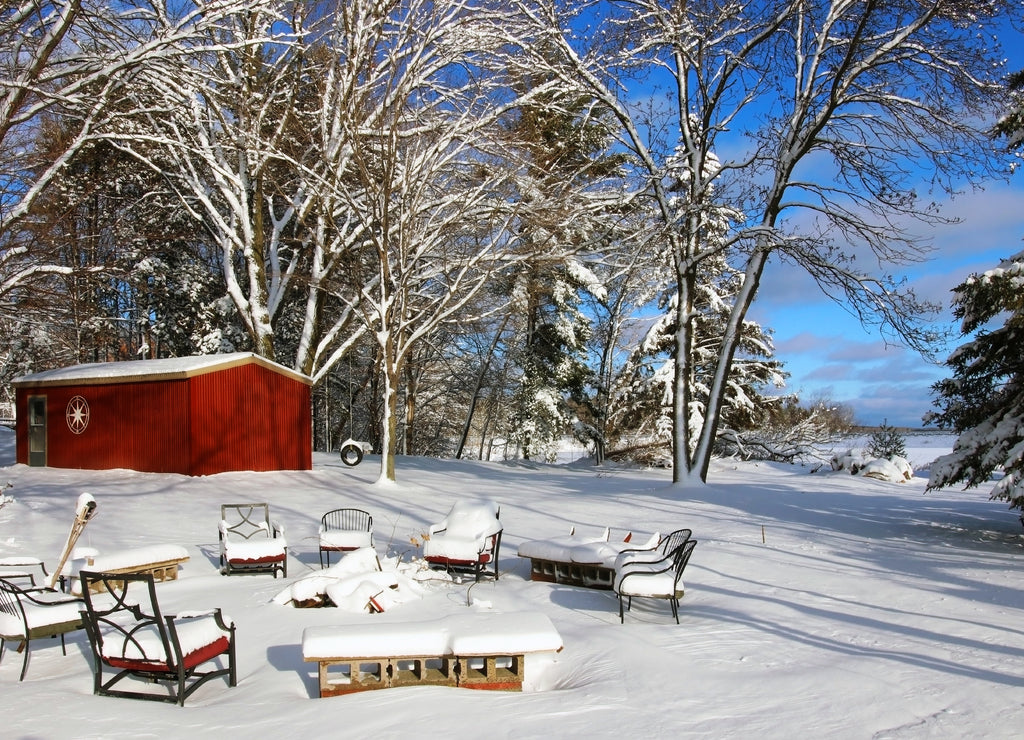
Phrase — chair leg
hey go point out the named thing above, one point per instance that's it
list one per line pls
(622, 617)
(232, 672)
(24, 662)
(180, 700)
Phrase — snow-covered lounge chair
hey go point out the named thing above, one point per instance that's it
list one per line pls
(250, 542)
(581, 559)
(477, 650)
(344, 530)
(653, 578)
(28, 614)
(469, 538)
(130, 637)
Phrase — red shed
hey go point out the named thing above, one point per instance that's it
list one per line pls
(190, 415)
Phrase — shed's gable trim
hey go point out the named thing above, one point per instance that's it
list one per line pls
(147, 371)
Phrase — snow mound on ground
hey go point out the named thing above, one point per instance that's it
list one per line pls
(895, 469)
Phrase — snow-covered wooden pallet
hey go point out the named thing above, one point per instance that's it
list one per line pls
(478, 650)
(579, 559)
(572, 574)
(160, 560)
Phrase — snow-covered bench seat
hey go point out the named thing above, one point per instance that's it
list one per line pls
(161, 561)
(581, 559)
(476, 650)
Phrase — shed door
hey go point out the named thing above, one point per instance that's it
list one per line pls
(37, 431)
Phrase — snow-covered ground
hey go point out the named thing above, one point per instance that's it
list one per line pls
(817, 605)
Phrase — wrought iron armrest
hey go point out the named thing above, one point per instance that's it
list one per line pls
(61, 598)
(669, 561)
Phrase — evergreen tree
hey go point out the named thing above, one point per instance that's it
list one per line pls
(642, 402)
(887, 442)
(984, 400)
(563, 145)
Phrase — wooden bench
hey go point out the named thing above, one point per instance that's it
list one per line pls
(477, 651)
(161, 561)
(579, 559)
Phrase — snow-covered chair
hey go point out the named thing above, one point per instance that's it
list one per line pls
(28, 614)
(130, 637)
(21, 567)
(665, 546)
(250, 542)
(653, 579)
(469, 538)
(344, 530)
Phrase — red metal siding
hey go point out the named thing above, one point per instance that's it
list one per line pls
(249, 418)
(141, 426)
(240, 417)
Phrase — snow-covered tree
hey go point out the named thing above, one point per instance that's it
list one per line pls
(78, 61)
(846, 107)
(984, 400)
(642, 408)
(887, 441)
(141, 284)
(427, 178)
(565, 189)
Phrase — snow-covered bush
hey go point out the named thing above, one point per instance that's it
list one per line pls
(896, 469)
(851, 460)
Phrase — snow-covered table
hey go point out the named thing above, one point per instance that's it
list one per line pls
(478, 650)
(580, 559)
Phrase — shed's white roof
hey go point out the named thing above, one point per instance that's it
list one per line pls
(137, 371)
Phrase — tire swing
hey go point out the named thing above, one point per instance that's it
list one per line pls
(351, 452)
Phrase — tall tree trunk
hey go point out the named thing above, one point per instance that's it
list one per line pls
(727, 352)
(683, 374)
(479, 384)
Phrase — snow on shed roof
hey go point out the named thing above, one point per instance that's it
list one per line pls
(138, 371)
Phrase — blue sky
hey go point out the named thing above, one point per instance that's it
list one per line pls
(827, 351)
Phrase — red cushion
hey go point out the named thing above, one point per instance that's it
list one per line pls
(264, 559)
(191, 660)
(484, 558)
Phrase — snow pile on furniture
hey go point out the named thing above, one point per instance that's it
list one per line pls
(160, 560)
(581, 559)
(358, 583)
(460, 535)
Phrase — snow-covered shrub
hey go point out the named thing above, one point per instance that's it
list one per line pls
(859, 462)
(852, 460)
